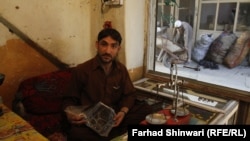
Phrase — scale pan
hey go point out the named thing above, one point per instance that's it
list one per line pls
(156, 119)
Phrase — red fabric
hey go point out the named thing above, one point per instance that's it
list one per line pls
(43, 94)
(42, 99)
(182, 120)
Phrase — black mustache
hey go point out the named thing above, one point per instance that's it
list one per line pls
(106, 54)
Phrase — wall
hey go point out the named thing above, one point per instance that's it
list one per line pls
(61, 27)
(134, 34)
(33, 32)
(20, 62)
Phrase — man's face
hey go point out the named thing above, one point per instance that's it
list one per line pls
(107, 49)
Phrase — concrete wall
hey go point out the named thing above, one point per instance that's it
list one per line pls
(33, 32)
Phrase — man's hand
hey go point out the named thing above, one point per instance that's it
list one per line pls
(75, 118)
(118, 118)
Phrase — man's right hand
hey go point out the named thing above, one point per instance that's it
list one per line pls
(74, 118)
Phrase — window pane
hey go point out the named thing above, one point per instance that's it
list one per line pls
(226, 16)
(163, 15)
(213, 16)
(207, 16)
(243, 22)
(186, 11)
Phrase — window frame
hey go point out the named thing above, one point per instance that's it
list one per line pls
(151, 49)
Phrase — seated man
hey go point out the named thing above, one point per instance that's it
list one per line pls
(103, 79)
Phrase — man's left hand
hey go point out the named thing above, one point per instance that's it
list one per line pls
(118, 118)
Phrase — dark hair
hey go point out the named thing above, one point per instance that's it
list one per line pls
(110, 32)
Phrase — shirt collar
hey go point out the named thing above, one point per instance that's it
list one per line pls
(97, 64)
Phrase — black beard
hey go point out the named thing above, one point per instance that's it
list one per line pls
(103, 61)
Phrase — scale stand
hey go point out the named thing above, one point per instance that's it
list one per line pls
(175, 84)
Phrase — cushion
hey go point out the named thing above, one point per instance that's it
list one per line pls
(220, 46)
(43, 94)
(239, 51)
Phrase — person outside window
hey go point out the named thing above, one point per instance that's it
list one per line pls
(183, 36)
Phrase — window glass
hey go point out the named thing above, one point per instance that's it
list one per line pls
(186, 11)
(163, 15)
(243, 22)
(226, 16)
(207, 16)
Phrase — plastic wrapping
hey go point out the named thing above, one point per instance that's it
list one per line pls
(99, 117)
